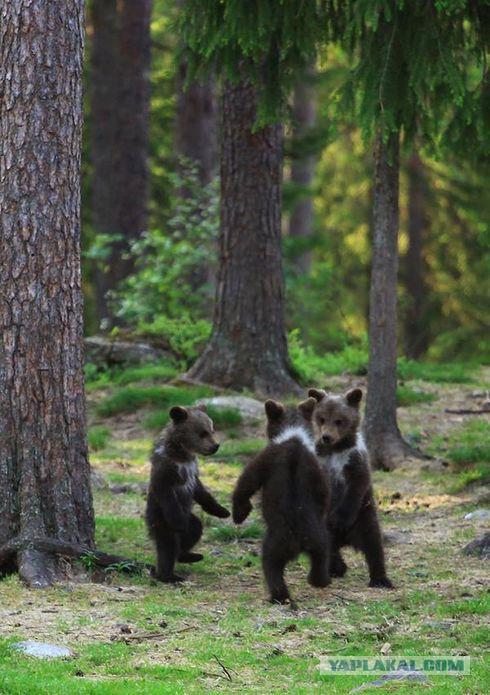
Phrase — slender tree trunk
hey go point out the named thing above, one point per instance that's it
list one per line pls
(120, 137)
(384, 440)
(303, 170)
(44, 471)
(416, 330)
(196, 123)
(248, 346)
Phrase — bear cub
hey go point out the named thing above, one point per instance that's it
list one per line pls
(175, 484)
(295, 497)
(343, 455)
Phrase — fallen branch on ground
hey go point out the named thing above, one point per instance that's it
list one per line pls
(463, 411)
(54, 546)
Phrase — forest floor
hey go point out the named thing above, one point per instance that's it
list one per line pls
(216, 633)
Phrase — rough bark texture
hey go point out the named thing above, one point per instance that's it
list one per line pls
(248, 347)
(303, 170)
(44, 471)
(380, 424)
(120, 138)
(416, 329)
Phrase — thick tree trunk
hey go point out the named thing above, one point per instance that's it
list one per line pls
(383, 437)
(44, 471)
(248, 347)
(120, 139)
(416, 330)
(303, 171)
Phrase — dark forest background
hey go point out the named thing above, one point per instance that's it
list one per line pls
(151, 208)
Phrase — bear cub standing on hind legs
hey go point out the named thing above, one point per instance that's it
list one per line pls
(175, 484)
(295, 497)
(343, 456)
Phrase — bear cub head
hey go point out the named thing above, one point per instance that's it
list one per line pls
(194, 430)
(336, 419)
(281, 418)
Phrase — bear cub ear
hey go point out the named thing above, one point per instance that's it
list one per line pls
(317, 394)
(307, 407)
(178, 414)
(203, 408)
(273, 409)
(353, 398)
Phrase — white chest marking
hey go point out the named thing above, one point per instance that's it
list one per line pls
(335, 463)
(189, 472)
(296, 432)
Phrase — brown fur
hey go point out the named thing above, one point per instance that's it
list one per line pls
(353, 518)
(294, 498)
(175, 484)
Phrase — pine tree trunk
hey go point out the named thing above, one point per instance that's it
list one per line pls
(383, 437)
(120, 136)
(44, 471)
(303, 171)
(416, 333)
(248, 346)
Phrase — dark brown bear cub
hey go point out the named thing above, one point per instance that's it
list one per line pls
(343, 455)
(175, 484)
(294, 497)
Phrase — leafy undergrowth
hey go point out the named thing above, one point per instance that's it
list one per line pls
(216, 633)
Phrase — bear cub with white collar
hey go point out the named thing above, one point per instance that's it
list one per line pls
(175, 484)
(353, 518)
(295, 497)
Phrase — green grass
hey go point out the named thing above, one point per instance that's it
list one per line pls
(96, 378)
(128, 399)
(447, 373)
(223, 418)
(312, 368)
(231, 450)
(98, 436)
(406, 396)
(468, 449)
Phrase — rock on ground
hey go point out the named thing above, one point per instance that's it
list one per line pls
(43, 650)
(249, 408)
(479, 547)
(102, 351)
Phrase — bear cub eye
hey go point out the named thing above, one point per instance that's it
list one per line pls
(203, 434)
(321, 420)
(338, 423)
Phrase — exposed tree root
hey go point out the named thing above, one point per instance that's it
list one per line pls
(36, 568)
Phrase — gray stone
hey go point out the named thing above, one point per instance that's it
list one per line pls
(97, 479)
(478, 515)
(103, 351)
(249, 408)
(123, 488)
(479, 547)
(393, 676)
(392, 537)
(43, 650)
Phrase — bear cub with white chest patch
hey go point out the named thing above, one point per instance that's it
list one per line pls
(343, 455)
(295, 497)
(175, 485)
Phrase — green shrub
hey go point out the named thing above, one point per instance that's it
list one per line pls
(405, 396)
(185, 336)
(312, 368)
(160, 371)
(449, 373)
(130, 398)
(98, 436)
(168, 261)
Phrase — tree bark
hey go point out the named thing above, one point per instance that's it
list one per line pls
(248, 346)
(416, 329)
(120, 136)
(303, 171)
(44, 470)
(383, 437)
